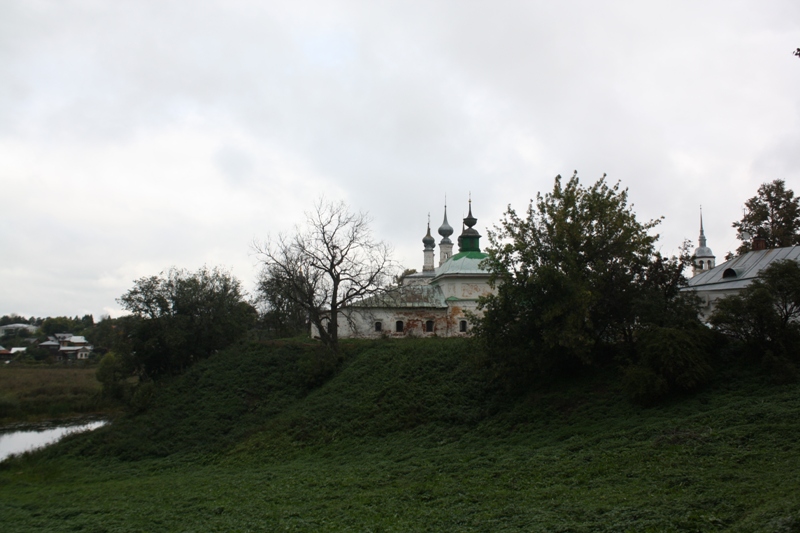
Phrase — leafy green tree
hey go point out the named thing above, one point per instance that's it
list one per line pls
(87, 321)
(61, 324)
(765, 314)
(111, 372)
(575, 276)
(110, 334)
(281, 316)
(13, 318)
(564, 272)
(773, 215)
(180, 317)
(660, 301)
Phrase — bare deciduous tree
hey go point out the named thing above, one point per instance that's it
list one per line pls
(327, 264)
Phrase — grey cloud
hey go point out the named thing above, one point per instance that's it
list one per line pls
(237, 165)
(397, 104)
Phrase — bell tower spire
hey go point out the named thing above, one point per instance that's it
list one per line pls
(429, 244)
(703, 256)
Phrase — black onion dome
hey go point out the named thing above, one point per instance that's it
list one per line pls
(445, 230)
(470, 220)
(428, 240)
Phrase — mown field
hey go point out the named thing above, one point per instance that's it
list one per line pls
(411, 436)
(30, 393)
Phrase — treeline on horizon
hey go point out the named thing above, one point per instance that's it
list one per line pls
(580, 286)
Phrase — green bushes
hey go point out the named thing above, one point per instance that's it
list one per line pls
(668, 360)
(764, 319)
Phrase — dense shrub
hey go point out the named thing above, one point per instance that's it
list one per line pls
(668, 360)
(764, 319)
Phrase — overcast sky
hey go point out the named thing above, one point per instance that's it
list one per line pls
(136, 136)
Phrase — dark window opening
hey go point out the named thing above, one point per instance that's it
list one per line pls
(429, 326)
(462, 326)
(378, 326)
(729, 273)
(398, 327)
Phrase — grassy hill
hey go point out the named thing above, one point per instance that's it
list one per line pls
(410, 435)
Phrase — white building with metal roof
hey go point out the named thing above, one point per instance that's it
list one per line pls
(13, 328)
(734, 275)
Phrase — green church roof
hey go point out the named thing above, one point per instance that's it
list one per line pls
(463, 263)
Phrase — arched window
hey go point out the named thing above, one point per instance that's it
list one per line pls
(398, 326)
(462, 326)
(701, 265)
(429, 326)
(378, 326)
(729, 273)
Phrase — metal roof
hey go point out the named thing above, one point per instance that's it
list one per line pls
(75, 348)
(464, 263)
(18, 326)
(740, 271)
(406, 296)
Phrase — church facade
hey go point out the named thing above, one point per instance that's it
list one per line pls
(434, 302)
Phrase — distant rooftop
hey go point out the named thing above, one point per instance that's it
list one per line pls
(740, 271)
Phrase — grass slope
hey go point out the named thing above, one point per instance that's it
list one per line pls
(409, 436)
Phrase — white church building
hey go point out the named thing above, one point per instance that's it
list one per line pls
(434, 302)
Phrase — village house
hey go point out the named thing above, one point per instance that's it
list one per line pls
(66, 346)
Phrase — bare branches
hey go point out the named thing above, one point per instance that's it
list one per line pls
(329, 263)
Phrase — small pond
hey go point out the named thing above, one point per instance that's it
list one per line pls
(13, 442)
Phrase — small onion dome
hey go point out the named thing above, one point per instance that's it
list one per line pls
(469, 239)
(427, 240)
(445, 230)
(470, 220)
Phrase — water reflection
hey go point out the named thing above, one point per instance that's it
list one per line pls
(23, 441)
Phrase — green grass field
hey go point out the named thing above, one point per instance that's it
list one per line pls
(410, 436)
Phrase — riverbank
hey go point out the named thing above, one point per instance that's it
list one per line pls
(30, 394)
(22, 439)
